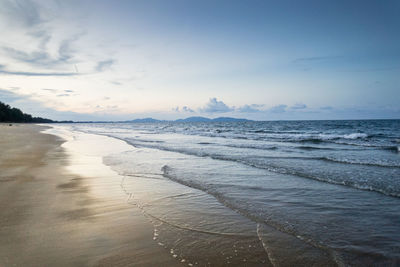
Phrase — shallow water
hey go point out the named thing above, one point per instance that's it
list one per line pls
(277, 193)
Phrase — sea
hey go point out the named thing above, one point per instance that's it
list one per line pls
(274, 193)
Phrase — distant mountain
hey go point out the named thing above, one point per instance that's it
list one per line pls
(9, 114)
(145, 120)
(190, 119)
(194, 119)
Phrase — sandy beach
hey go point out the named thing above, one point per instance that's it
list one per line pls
(50, 216)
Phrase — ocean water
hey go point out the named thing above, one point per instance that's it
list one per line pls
(264, 193)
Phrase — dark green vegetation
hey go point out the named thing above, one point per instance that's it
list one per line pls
(9, 114)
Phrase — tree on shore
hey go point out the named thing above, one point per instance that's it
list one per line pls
(9, 114)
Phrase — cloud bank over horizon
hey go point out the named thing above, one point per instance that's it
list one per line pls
(255, 60)
(212, 109)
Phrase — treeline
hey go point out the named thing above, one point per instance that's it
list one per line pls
(9, 114)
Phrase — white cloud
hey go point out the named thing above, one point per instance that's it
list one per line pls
(184, 109)
(215, 106)
(250, 108)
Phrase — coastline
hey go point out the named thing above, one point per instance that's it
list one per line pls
(51, 215)
(87, 196)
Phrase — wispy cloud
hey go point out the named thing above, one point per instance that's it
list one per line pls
(58, 91)
(27, 73)
(24, 12)
(50, 90)
(41, 56)
(104, 65)
(33, 44)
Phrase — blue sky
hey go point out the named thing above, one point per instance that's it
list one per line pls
(263, 60)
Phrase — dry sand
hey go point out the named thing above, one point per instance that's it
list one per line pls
(49, 216)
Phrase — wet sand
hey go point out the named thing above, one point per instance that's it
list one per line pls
(50, 216)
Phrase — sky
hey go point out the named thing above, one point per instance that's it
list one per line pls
(169, 59)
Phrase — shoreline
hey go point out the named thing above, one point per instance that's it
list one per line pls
(76, 196)
(174, 230)
(51, 215)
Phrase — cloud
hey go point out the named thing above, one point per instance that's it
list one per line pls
(299, 106)
(50, 90)
(27, 73)
(41, 56)
(250, 108)
(23, 12)
(187, 109)
(215, 106)
(278, 109)
(35, 39)
(36, 57)
(183, 109)
(10, 97)
(104, 65)
(61, 95)
(58, 90)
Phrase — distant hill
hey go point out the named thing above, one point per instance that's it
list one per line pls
(145, 120)
(9, 114)
(194, 119)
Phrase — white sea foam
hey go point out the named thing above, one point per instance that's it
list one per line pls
(355, 136)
